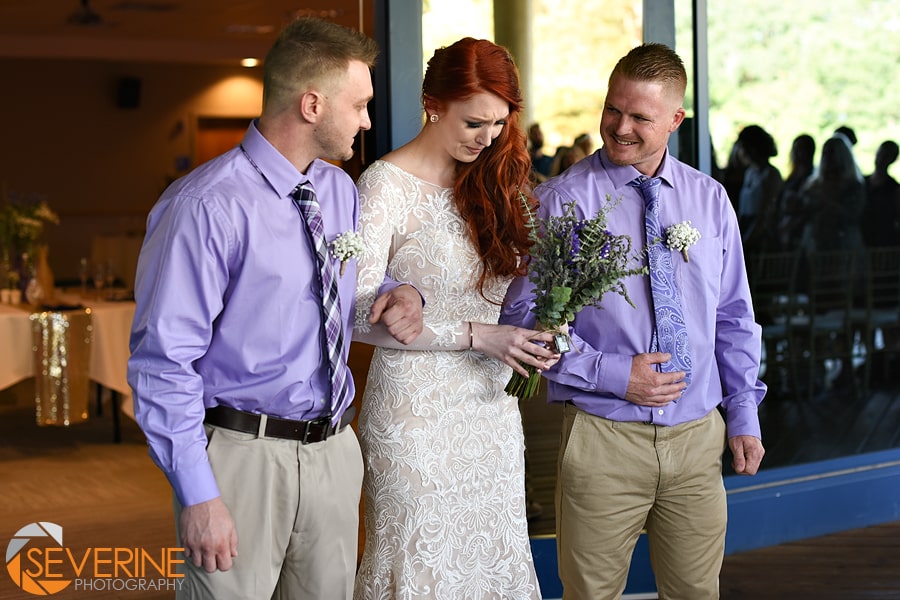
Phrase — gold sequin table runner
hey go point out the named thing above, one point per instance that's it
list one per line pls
(62, 356)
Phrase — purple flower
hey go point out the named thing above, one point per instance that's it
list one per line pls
(604, 251)
(575, 242)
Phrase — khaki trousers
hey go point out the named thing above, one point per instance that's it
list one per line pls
(615, 479)
(296, 510)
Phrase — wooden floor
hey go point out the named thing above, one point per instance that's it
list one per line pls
(111, 495)
(851, 565)
(103, 494)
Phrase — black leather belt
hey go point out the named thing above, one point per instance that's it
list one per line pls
(307, 432)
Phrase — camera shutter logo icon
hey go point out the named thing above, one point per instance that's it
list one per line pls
(42, 532)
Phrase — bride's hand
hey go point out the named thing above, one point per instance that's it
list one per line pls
(515, 346)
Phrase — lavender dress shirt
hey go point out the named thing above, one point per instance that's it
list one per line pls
(725, 340)
(227, 308)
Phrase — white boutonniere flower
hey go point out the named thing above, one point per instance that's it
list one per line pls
(682, 236)
(345, 246)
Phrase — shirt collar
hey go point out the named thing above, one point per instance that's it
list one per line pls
(623, 175)
(281, 175)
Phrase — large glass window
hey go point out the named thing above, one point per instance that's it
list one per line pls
(800, 67)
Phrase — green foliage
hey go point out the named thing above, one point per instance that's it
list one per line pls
(576, 44)
(555, 305)
(806, 66)
(575, 261)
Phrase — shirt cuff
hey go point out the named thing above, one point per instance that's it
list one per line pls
(194, 485)
(615, 372)
(742, 420)
(389, 284)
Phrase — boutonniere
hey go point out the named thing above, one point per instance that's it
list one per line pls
(682, 236)
(345, 246)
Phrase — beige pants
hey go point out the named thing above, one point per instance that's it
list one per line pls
(296, 509)
(615, 479)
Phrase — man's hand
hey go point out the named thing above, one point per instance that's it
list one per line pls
(208, 535)
(647, 386)
(748, 452)
(400, 311)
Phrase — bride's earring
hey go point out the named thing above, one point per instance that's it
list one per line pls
(433, 118)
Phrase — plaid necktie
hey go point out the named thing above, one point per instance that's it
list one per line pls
(670, 334)
(333, 340)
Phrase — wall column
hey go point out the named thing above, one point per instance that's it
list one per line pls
(512, 29)
(692, 142)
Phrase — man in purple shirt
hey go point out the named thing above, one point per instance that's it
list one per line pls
(229, 366)
(642, 447)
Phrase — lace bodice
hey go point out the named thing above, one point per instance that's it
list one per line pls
(415, 234)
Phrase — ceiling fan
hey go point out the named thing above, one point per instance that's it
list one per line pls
(85, 16)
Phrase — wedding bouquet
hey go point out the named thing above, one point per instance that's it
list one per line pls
(573, 263)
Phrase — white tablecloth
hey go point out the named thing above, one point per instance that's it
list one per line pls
(16, 354)
(109, 345)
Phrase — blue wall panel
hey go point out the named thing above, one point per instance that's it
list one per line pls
(775, 507)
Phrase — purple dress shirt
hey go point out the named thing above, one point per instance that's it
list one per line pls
(725, 340)
(227, 308)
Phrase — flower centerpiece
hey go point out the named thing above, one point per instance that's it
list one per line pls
(345, 246)
(22, 223)
(21, 227)
(680, 237)
(573, 263)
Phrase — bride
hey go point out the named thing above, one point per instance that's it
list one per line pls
(442, 442)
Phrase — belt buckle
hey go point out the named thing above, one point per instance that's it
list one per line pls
(324, 422)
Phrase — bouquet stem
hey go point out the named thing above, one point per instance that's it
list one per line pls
(521, 387)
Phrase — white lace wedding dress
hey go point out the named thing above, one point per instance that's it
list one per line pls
(442, 442)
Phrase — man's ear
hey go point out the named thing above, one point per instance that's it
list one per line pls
(677, 119)
(312, 104)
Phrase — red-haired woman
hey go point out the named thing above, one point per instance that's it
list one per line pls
(442, 442)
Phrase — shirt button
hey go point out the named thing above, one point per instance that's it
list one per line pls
(661, 412)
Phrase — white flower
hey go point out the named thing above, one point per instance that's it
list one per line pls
(45, 213)
(347, 245)
(682, 236)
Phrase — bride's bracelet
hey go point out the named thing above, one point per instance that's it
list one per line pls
(471, 336)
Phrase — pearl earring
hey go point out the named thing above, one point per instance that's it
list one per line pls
(433, 118)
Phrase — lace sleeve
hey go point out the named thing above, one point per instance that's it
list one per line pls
(389, 220)
(376, 229)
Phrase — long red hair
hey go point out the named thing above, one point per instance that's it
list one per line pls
(490, 190)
